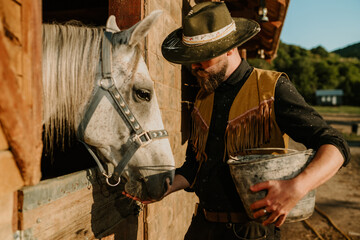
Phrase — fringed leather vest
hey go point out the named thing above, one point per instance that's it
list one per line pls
(251, 123)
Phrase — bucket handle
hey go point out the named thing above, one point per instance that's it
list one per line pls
(269, 149)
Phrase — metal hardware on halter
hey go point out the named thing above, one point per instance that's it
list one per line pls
(106, 88)
(137, 138)
(110, 184)
(107, 83)
(101, 168)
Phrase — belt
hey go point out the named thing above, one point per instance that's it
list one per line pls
(222, 217)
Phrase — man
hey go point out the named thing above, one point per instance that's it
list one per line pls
(239, 107)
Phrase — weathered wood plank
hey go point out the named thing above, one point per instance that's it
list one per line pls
(11, 27)
(13, 114)
(10, 177)
(11, 18)
(31, 23)
(127, 13)
(50, 190)
(6, 214)
(76, 206)
(3, 142)
(20, 108)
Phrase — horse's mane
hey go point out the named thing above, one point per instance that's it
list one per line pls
(71, 55)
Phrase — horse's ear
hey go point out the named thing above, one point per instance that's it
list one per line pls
(142, 28)
(111, 25)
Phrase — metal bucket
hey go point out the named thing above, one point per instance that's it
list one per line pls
(255, 168)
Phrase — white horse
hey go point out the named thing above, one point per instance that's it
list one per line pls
(97, 85)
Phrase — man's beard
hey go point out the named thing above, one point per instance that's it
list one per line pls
(209, 81)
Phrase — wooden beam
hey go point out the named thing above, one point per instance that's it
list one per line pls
(10, 176)
(127, 13)
(20, 98)
(3, 142)
(6, 215)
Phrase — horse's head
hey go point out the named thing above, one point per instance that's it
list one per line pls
(124, 127)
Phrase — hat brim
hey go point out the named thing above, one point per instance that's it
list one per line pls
(174, 50)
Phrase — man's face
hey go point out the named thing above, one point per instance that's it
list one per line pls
(210, 73)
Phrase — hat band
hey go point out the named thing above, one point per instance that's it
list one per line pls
(210, 37)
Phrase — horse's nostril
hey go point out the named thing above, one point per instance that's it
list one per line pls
(158, 184)
(167, 182)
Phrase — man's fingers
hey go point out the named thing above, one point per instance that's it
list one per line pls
(260, 186)
(260, 213)
(263, 203)
(275, 218)
(280, 221)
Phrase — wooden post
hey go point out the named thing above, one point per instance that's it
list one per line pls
(127, 13)
(20, 98)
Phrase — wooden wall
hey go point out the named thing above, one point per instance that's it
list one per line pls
(169, 218)
(20, 104)
(76, 206)
(72, 215)
(20, 98)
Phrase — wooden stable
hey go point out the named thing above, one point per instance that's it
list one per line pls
(80, 205)
(20, 105)
(75, 206)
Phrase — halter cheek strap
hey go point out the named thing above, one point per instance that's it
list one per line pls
(106, 88)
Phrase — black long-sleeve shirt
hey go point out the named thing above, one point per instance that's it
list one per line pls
(214, 185)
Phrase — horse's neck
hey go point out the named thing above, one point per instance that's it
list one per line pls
(68, 76)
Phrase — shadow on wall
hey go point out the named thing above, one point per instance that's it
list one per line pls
(112, 214)
(76, 206)
(70, 178)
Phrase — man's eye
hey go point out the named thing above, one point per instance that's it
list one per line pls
(143, 94)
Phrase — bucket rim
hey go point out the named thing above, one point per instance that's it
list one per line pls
(234, 160)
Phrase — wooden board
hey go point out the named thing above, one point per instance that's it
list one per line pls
(76, 206)
(10, 177)
(6, 215)
(127, 13)
(20, 84)
(3, 142)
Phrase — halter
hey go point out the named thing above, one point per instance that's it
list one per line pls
(105, 87)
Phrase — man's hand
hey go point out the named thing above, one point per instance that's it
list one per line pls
(282, 196)
(151, 200)
(179, 183)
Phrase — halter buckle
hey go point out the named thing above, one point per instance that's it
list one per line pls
(106, 83)
(138, 138)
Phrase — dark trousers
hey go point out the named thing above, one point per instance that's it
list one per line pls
(201, 229)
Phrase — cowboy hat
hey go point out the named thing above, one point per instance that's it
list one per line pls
(208, 31)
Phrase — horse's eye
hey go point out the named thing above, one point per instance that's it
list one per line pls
(143, 94)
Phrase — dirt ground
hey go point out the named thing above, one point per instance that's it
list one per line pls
(339, 199)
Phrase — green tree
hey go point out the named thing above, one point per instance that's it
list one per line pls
(302, 74)
(319, 50)
(327, 75)
(314, 69)
(350, 82)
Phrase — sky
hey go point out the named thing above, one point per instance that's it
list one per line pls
(333, 24)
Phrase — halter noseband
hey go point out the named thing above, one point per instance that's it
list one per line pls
(105, 87)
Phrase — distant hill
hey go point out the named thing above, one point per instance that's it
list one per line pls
(310, 70)
(349, 51)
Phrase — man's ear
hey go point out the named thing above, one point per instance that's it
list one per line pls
(232, 51)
